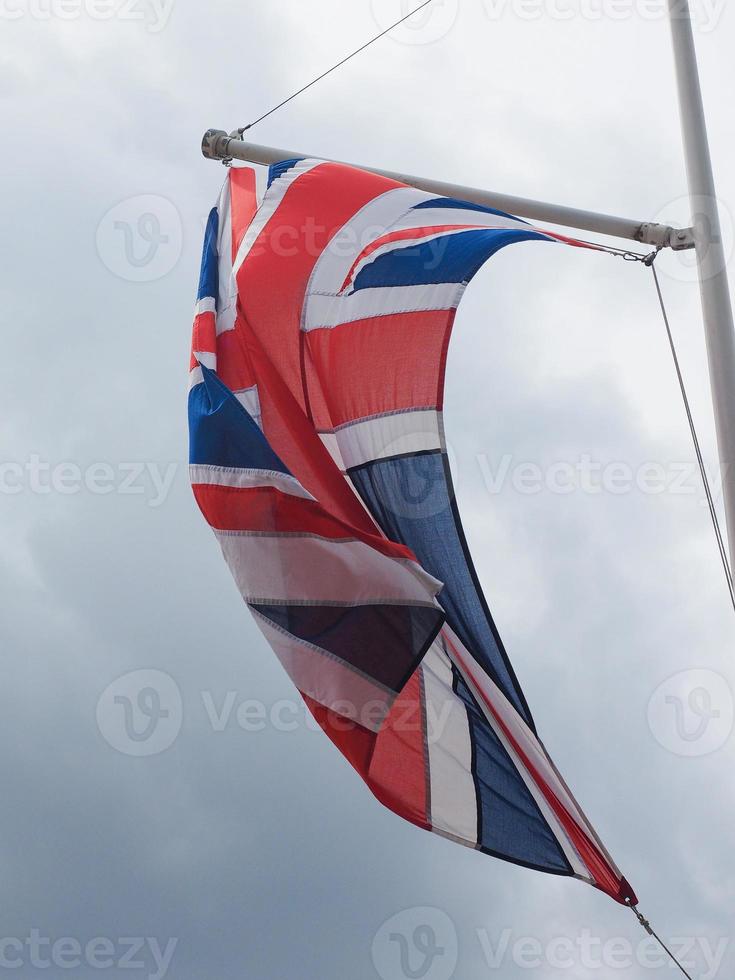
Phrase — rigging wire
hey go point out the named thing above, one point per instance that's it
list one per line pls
(335, 67)
(647, 926)
(623, 253)
(650, 261)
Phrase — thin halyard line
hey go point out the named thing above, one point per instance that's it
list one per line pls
(339, 64)
(695, 440)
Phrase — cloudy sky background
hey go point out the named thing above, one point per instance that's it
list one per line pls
(261, 852)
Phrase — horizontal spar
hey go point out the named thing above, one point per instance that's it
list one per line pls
(217, 145)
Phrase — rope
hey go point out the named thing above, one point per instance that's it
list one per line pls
(695, 438)
(647, 926)
(622, 253)
(649, 260)
(335, 67)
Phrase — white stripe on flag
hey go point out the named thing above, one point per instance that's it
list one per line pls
(327, 679)
(206, 358)
(195, 377)
(331, 311)
(453, 793)
(377, 218)
(206, 305)
(250, 401)
(284, 568)
(332, 446)
(396, 434)
(246, 479)
(432, 217)
(227, 291)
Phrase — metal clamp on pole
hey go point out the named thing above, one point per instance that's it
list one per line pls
(214, 145)
(664, 236)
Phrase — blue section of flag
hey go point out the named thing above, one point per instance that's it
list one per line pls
(409, 498)
(385, 642)
(277, 170)
(209, 268)
(448, 258)
(510, 822)
(223, 433)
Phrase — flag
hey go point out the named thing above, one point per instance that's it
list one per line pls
(326, 302)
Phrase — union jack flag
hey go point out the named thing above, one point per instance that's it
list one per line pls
(325, 307)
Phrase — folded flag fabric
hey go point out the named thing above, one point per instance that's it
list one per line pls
(326, 302)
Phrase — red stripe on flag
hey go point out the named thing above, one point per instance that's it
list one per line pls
(399, 767)
(393, 763)
(233, 364)
(204, 334)
(354, 742)
(268, 509)
(354, 360)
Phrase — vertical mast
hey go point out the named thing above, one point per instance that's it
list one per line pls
(711, 260)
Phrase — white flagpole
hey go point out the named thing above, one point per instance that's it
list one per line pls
(711, 259)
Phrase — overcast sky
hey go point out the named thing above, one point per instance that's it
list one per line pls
(233, 848)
